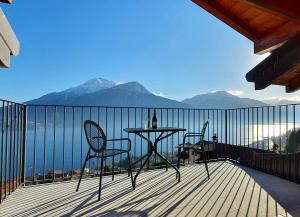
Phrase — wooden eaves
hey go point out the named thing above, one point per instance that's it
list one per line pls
(9, 44)
(270, 24)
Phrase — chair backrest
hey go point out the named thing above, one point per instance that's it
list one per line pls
(203, 133)
(95, 136)
(204, 129)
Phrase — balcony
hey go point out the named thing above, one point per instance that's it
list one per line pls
(253, 170)
(233, 190)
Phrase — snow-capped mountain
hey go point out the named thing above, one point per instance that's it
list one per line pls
(88, 87)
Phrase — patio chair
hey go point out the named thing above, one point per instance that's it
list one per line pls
(97, 141)
(198, 147)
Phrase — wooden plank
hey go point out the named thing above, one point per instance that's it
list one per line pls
(279, 68)
(277, 38)
(4, 54)
(8, 35)
(6, 1)
(293, 85)
(224, 16)
(285, 8)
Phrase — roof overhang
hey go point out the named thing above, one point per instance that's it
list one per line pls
(273, 26)
(268, 23)
(6, 1)
(9, 44)
(282, 67)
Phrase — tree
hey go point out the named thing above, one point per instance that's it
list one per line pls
(293, 142)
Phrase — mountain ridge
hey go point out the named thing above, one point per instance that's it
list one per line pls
(221, 100)
(102, 92)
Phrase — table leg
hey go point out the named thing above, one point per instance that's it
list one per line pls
(168, 163)
(164, 159)
(141, 168)
(139, 159)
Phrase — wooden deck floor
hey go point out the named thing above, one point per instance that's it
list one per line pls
(232, 191)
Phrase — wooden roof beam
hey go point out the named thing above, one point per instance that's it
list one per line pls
(285, 8)
(293, 86)
(6, 1)
(282, 67)
(8, 35)
(230, 19)
(276, 39)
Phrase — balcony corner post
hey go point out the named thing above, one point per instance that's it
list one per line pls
(24, 132)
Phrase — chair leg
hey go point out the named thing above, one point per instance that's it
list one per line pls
(178, 160)
(82, 171)
(100, 179)
(130, 171)
(205, 162)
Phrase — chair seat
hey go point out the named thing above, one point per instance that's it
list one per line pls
(112, 152)
(195, 147)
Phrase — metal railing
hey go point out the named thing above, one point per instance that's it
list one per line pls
(46, 143)
(12, 146)
(56, 144)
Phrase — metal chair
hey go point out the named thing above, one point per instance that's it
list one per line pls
(97, 141)
(198, 147)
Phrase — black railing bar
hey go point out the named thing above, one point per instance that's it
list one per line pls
(172, 135)
(128, 127)
(34, 144)
(236, 127)
(240, 127)
(63, 143)
(73, 138)
(21, 172)
(45, 141)
(121, 130)
(81, 129)
(280, 128)
(268, 113)
(2, 151)
(161, 122)
(54, 142)
(14, 152)
(6, 149)
(90, 117)
(178, 123)
(208, 126)
(172, 141)
(135, 121)
(106, 126)
(114, 128)
(17, 143)
(286, 124)
(141, 140)
(262, 128)
(257, 127)
(10, 148)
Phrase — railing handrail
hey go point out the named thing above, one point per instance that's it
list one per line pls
(9, 101)
(152, 107)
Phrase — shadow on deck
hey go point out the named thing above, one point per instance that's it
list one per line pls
(233, 190)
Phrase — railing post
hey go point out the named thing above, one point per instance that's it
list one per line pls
(148, 135)
(24, 132)
(226, 134)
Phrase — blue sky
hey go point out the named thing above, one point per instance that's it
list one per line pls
(172, 47)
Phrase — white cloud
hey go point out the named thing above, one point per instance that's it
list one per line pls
(235, 92)
(119, 82)
(159, 94)
(281, 98)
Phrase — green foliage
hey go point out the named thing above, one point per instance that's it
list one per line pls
(293, 142)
